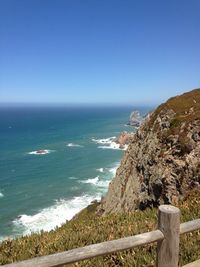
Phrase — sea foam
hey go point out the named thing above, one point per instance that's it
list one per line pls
(109, 143)
(53, 216)
(40, 152)
(100, 170)
(98, 182)
(1, 195)
(108, 140)
(74, 145)
(91, 181)
(113, 145)
(114, 169)
(73, 178)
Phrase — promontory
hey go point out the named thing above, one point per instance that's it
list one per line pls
(162, 162)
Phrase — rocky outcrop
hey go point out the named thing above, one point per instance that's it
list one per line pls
(162, 162)
(135, 119)
(123, 139)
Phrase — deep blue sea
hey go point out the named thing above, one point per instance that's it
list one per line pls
(42, 191)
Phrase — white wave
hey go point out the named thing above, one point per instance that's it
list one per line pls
(91, 181)
(103, 184)
(114, 169)
(74, 145)
(125, 147)
(73, 178)
(56, 215)
(100, 170)
(52, 217)
(109, 143)
(40, 152)
(108, 140)
(99, 183)
(1, 194)
(114, 146)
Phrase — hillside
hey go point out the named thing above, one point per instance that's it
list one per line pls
(89, 228)
(162, 162)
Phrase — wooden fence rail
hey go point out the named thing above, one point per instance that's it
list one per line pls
(167, 238)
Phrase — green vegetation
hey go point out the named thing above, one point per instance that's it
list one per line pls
(88, 228)
(183, 103)
(186, 108)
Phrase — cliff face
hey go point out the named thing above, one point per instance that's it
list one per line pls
(162, 162)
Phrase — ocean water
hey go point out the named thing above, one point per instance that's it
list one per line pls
(42, 191)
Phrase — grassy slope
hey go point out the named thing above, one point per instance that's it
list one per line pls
(181, 105)
(88, 228)
(187, 110)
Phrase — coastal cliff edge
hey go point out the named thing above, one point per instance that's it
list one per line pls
(162, 162)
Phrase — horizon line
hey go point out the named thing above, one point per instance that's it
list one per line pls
(73, 104)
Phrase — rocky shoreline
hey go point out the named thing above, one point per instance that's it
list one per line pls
(123, 139)
(162, 162)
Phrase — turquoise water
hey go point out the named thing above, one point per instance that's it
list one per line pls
(43, 191)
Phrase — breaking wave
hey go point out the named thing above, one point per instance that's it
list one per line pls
(53, 216)
(100, 183)
(74, 145)
(114, 170)
(62, 210)
(108, 140)
(91, 181)
(109, 143)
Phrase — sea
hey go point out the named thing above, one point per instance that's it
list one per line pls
(77, 160)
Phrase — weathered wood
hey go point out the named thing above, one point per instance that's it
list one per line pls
(193, 264)
(167, 237)
(91, 251)
(190, 226)
(169, 224)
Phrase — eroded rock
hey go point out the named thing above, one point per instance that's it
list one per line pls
(162, 161)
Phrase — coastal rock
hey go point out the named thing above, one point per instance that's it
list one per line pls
(123, 139)
(135, 119)
(42, 151)
(162, 162)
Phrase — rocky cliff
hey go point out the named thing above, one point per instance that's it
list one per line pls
(162, 162)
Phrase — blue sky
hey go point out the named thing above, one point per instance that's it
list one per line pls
(92, 51)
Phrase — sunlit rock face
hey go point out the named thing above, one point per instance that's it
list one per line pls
(162, 162)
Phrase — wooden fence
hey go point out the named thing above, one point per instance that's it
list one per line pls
(167, 238)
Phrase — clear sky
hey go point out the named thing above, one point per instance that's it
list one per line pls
(98, 51)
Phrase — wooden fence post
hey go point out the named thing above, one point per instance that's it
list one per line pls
(169, 225)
